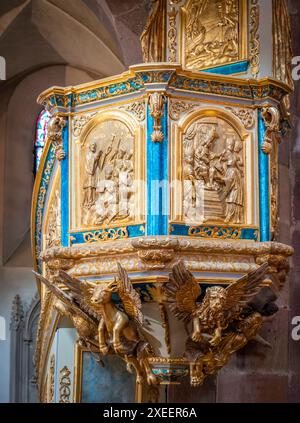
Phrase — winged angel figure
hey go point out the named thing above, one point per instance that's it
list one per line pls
(100, 322)
(223, 322)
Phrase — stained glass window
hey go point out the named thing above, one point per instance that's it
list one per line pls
(40, 136)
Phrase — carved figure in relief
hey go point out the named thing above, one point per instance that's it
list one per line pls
(203, 151)
(233, 190)
(108, 187)
(91, 164)
(223, 321)
(211, 32)
(213, 173)
(54, 227)
(105, 208)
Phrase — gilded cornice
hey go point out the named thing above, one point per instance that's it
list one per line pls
(140, 77)
(166, 243)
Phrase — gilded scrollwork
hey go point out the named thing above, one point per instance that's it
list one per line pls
(172, 35)
(179, 107)
(108, 174)
(55, 135)
(272, 139)
(51, 380)
(211, 33)
(137, 108)
(254, 38)
(80, 121)
(110, 234)
(156, 103)
(213, 172)
(64, 385)
(215, 232)
(271, 118)
(246, 116)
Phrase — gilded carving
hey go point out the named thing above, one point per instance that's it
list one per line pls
(156, 104)
(53, 234)
(282, 51)
(246, 116)
(80, 121)
(211, 33)
(100, 322)
(254, 38)
(172, 35)
(64, 385)
(109, 234)
(215, 232)
(156, 256)
(224, 321)
(153, 36)
(107, 171)
(213, 172)
(272, 138)
(55, 135)
(51, 379)
(271, 117)
(177, 108)
(137, 108)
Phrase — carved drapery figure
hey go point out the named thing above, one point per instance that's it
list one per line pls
(211, 33)
(91, 164)
(213, 173)
(153, 36)
(282, 52)
(108, 175)
(233, 190)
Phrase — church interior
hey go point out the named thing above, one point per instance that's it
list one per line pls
(149, 212)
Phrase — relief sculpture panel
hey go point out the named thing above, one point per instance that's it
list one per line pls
(213, 172)
(213, 33)
(107, 174)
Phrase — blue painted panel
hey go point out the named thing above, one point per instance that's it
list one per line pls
(230, 69)
(264, 191)
(65, 189)
(133, 231)
(157, 179)
(109, 384)
(183, 230)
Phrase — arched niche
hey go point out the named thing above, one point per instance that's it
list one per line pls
(111, 139)
(207, 143)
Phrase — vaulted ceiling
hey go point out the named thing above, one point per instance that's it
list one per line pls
(44, 43)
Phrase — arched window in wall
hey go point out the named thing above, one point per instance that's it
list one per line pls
(40, 137)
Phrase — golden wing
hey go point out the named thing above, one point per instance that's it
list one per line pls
(129, 296)
(182, 292)
(81, 291)
(70, 301)
(241, 292)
